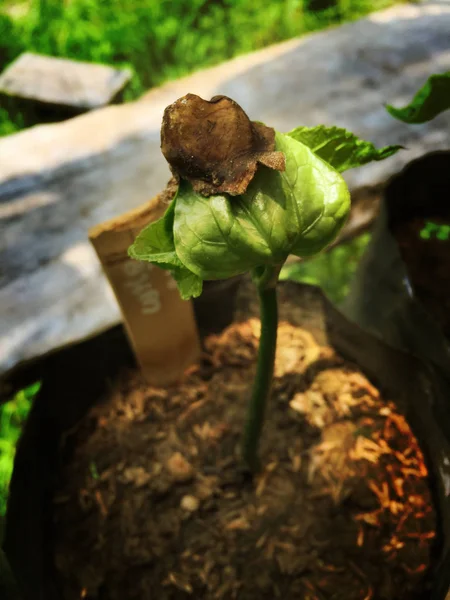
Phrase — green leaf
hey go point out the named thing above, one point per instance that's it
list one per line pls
(189, 285)
(340, 148)
(432, 99)
(155, 244)
(298, 211)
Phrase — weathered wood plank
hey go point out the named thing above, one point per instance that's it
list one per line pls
(57, 181)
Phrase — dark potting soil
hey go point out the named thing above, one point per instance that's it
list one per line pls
(153, 503)
(428, 264)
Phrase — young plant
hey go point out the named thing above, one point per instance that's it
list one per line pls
(248, 196)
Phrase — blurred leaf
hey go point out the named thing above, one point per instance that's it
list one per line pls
(12, 417)
(431, 100)
(332, 270)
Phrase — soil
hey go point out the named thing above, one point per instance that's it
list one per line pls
(152, 500)
(428, 265)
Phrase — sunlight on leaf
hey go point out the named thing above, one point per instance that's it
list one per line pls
(340, 148)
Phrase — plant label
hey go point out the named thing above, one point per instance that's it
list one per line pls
(160, 325)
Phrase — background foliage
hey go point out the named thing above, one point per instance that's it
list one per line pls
(332, 271)
(160, 39)
(12, 417)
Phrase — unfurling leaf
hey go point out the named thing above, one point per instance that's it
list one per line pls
(340, 148)
(432, 99)
(215, 146)
(298, 211)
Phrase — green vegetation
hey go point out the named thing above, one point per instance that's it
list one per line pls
(332, 271)
(431, 100)
(441, 232)
(160, 39)
(12, 418)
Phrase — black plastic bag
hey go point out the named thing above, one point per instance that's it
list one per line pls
(382, 298)
(383, 301)
(8, 586)
(86, 370)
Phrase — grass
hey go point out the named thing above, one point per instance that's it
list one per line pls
(12, 418)
(160, 39)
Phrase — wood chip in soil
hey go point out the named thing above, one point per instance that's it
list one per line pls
(153, 502)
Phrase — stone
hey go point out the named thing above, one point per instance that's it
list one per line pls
(57, 181)
(59, 82)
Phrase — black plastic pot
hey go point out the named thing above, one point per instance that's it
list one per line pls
(221, 295)
(382, 298)
(8, 585)
(85, 372)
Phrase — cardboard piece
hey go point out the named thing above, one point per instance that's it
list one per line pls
(160, 325)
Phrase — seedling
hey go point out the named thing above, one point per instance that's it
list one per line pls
(247, 197)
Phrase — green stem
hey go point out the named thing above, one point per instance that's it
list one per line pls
(264, 375)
